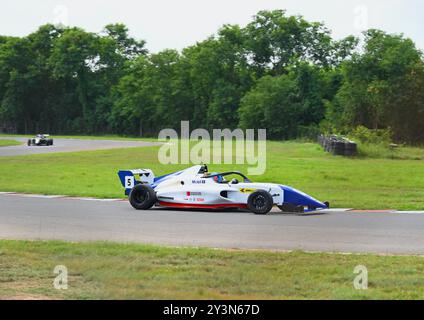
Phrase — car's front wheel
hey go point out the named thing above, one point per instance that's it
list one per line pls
(260, 202)
(142, 197)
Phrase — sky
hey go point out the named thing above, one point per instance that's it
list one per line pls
(180, 23)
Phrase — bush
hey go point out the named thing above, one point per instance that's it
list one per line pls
(309, 133)
(367, 136)
(376, 151)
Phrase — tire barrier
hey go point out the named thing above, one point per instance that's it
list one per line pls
(338, 146)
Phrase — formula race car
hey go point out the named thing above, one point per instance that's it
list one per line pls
(41, 140)
(196, 188)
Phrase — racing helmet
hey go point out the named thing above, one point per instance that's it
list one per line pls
(218, 178)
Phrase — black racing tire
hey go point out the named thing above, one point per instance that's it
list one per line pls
(291, 208)
(29, 142)
(51, 142)
(260, 202)
(142, 197)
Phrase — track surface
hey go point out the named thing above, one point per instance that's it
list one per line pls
(69, 145)
(77, 220)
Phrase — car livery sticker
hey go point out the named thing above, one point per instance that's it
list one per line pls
(198, 181)
(247, 190)
(190, 193)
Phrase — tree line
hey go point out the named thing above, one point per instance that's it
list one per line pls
(279, 72)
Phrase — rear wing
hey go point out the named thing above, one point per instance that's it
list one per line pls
(130, 178)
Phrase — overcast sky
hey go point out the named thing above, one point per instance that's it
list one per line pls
(179, 23)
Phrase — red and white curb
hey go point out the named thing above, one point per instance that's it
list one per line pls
(41, 196)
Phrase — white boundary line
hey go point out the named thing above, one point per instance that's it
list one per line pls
(42, 196)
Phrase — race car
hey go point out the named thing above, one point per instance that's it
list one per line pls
(41, 140)
(196, 188)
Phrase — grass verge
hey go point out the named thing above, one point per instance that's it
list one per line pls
(359, 183)
(9, 143)
(129, 271)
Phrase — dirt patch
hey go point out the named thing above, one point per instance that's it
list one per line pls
(24, 297)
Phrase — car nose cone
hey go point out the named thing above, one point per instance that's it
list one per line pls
(299, 198)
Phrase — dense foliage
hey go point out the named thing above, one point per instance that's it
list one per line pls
(279, 72)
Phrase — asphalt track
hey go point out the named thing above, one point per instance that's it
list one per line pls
(33, 218)
(69, 145)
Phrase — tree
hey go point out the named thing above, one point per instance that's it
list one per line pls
(279, 72)
(93, 64)
(19, 81)
(285, 104)
(273, 104)
(145, 97)
(127, 47)
(372, 93)
(275, 41)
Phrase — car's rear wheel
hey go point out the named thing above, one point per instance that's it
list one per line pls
(260, 202)
(142, 197)
(29, 142)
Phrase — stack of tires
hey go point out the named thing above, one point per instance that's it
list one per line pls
(338, 146)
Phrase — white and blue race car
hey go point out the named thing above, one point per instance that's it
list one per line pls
(196, 188)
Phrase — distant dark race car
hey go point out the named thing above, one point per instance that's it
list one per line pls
(40, 140)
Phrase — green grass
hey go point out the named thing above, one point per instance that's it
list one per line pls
(382, 151)
(9, 143)
(129, 271)
(360, 183)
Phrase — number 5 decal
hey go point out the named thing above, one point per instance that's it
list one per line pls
(129, 182)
